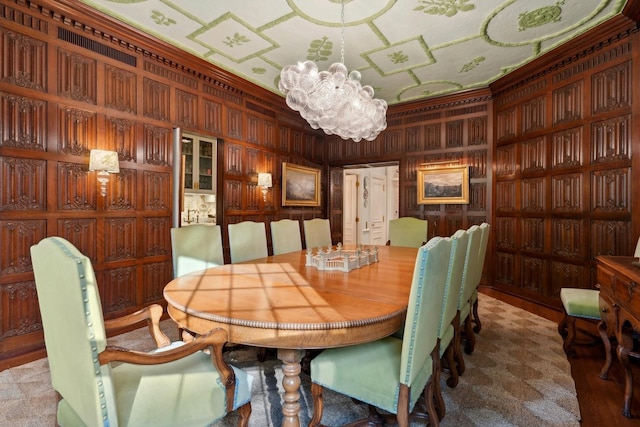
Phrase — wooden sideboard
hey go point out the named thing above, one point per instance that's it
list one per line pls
(619, 282)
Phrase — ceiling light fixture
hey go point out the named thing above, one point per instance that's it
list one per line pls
(334, 100)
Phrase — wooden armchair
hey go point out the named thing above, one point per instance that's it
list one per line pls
(174, 385)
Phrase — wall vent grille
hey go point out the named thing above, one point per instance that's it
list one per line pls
(94, 46)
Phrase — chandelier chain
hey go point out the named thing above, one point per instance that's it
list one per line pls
(342, 32)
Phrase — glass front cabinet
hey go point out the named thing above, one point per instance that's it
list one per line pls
(199, 164)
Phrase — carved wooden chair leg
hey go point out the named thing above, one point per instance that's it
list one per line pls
(476, 319)
(470, 338)
(567, 343)
(457, 339)
(244, 412)
(602, 329)
(454, 376)
(261, 354)
(318, 405)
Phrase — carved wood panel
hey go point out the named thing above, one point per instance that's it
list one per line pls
(454, 134)
(506, 124)
(567, 103)
(122, 192)
(77, 131)
(432, 136)
(156, 236)
(478, 130)
(115, 288)
(156, 100)
(506, 160)
(16, 238)
(567, 193)
(392, 141)
(413, 139)
(533, 115)
(534, 155)
(120, 136)
(77, 188)
(23, 184)
(24, 61)
(610, 237)
(563, 273)
(533, 234)
(477, 161)
(234, 123)
(477, 197)
(186, 109)
(157, 191)
(24, 122)
(120, 89)
(77, 77)
(120, 239)
(252, 162)
(157, 145)
(82, 233)
(234, 154)
(505, 268)
(567, 148)
(611, 88)
(505, 232)
(506, 196)
(233, 194)
(568, 238)
(212, 115)
(253, 129)
(20, 313)
(611, 140)
(534, 274)
(611, 191)
(155, 276)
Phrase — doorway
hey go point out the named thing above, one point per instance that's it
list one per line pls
(371, 199)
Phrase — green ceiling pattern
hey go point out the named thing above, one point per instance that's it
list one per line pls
(404, 49)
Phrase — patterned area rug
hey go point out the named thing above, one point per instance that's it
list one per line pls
(518, 375)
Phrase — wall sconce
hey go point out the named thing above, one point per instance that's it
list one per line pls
(105, 162)
(264, 181)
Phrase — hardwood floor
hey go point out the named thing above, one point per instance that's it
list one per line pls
(600, 400)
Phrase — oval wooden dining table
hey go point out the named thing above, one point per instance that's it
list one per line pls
(279, 302)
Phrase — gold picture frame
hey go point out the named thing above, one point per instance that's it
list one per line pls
(300, 185)
(443, 185)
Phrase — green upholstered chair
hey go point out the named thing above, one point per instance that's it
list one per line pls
(317, 233)
(449, 315)
(178, 386)
(392, 373)
(577, 303)
(467, 288)
(407, 231)
(285, 236)
(482, 252)
(247, 241)
(196, 247)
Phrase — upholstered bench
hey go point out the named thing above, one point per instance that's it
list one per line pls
(577, 303)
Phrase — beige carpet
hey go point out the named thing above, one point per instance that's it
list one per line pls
(518, 375)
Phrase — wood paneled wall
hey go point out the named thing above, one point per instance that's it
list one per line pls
(72, 81)
(564, 138)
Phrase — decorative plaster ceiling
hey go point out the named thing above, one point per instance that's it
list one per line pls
(405, 49)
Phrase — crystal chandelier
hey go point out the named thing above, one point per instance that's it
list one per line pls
(334, 100)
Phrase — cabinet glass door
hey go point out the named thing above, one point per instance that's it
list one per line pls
(205, 165)
(187, 151)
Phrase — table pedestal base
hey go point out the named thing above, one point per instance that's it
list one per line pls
(291, 383)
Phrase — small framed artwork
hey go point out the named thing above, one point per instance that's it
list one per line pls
(446, 184)
(300, 185)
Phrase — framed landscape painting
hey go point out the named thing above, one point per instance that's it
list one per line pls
(440, 185)
(300, 185)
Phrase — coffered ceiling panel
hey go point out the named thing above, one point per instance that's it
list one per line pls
(404, 49)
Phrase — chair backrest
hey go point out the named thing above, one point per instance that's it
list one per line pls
(196, 247)
(423, 312)
(482, 251)
(470, 264)
(247, 241)
(285, 236)
(317, 233)
(459, 243)
(74, 331)
(408, 231)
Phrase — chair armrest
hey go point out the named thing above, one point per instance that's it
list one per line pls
(214, 340)
(152, 314)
